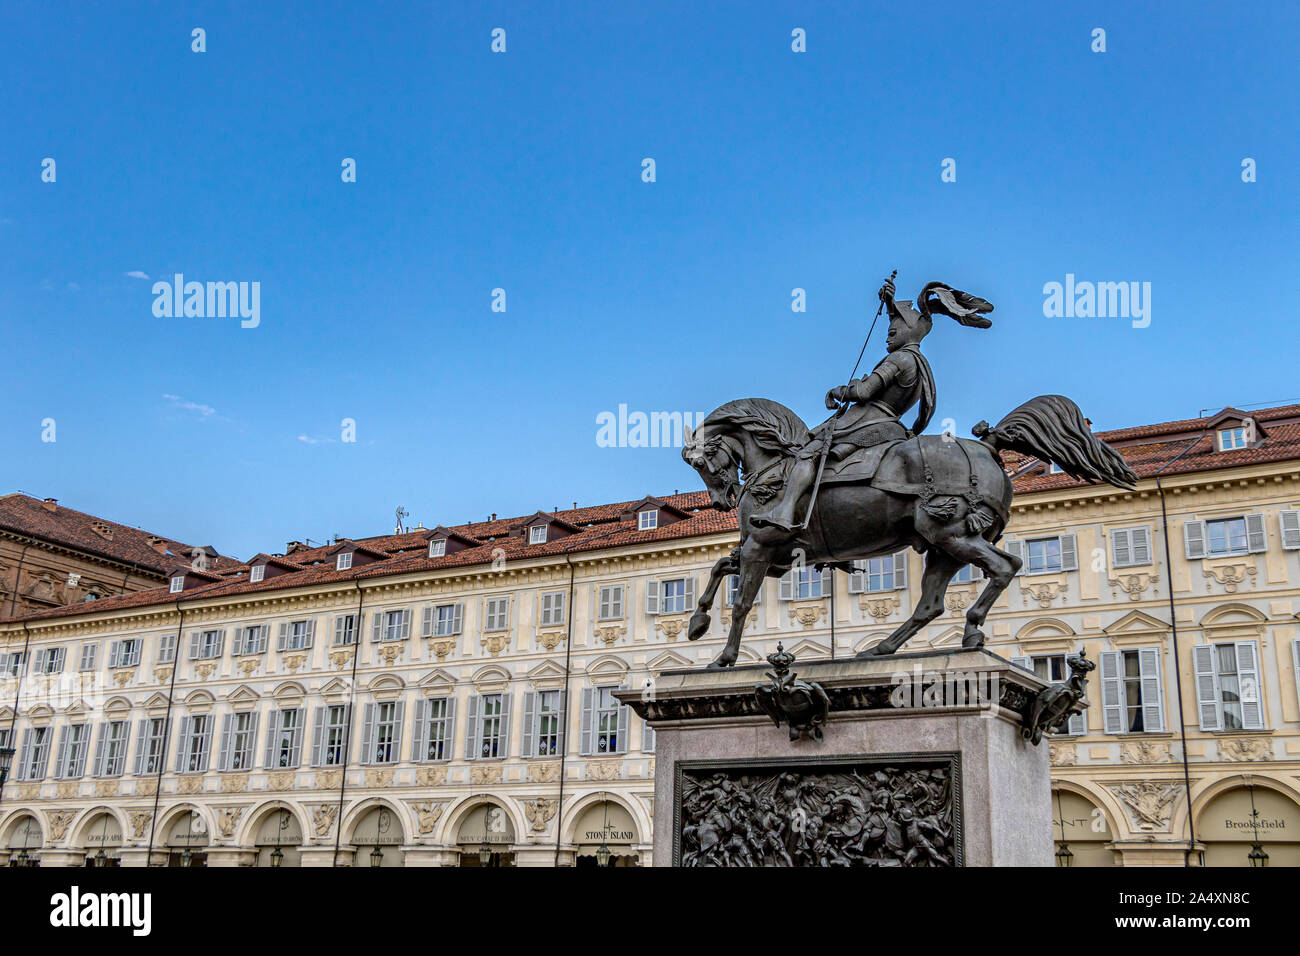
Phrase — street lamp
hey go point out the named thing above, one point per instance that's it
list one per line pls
(277, 855)
(484, 851)
(1257, 856)
(602, 851)
(1063, 855)
(376, 856)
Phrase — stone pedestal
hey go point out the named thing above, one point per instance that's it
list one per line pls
(921, 762)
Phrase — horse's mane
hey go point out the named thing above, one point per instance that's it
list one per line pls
(770, 424)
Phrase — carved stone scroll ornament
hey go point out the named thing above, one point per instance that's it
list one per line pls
(850, 816)
(801, 705)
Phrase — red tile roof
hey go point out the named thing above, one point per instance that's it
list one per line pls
(65, 527)
(1147, 448)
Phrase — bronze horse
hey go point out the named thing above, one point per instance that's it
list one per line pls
(948, 498)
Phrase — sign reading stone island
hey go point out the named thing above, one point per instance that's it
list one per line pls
(879, 811)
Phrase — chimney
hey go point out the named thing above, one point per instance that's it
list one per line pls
(494, 516)
(157, 543)
(293, 546)
(50, 504)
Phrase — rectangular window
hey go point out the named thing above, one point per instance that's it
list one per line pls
(552, 614)
(1130, 547)
(110, 760)
(13, 663)
(284, 747)
(966, 574)
(89, 653)
(71, 762)
(256, 573)
(196, 734)
(1043, 555)
(438, 548)
(548, 724)
(496, 614)
(1131, 699)
(491, 729)
(177, 584)
(36, 743)
(343, 562)
(206, 645)
(49, 660)
(335, 734)
(393, 625)
(166, 648)
(151, 743)
(242, 737)
(672, 596)
(345, 630)
(647, 520)
(385, 731)
(1230, 438)
(611, 602)
(448, 620)
(1228, 692)
(124, 653)
(888, 573)
(537, 534)
(433, 729)
(604, 723)
(250, 639)
(299, 636)
(1227, 536)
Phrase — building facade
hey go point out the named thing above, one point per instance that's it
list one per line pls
(443, 697)
(53, 556)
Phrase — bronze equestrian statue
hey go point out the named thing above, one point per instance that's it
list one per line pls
(862, 485)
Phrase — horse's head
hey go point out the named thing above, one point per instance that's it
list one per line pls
(715, 460)
(749, 428)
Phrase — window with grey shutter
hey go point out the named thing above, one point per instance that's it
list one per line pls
(1289, 522)
(472, 725)
(1252, 703)
(529, 745)
(318, 736)
(368, 735)
(89, 652)
(167, 648)
(611, 602)
(586, 742)
(652, 597)
(496, 614)
(1207, 687)
(647, 738)
(223, 752)
(1194, 539)
(1153, 705)
(284, 739)
(1112, 699)
(345, 630)
(97, 766)
(1130, 547)
(733, 590)
(434, 727)
(551, 609)
(61, 756)
(1256, 539)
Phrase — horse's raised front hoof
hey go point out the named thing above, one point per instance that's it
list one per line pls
(722, 662)
(878, 650)
(699, 624)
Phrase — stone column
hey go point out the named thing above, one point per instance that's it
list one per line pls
(231, 856)
(324, 855)
(431, 856)
(63, 858)
(536, 856)
(138, 856)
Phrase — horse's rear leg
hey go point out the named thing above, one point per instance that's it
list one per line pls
(939, 569)
(998, 567)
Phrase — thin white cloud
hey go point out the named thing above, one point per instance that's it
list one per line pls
(137, 274)
(308, 440)
(184, 405)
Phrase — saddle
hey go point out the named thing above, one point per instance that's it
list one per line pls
(925, 466)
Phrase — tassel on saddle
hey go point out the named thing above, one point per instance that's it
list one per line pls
(943, 507)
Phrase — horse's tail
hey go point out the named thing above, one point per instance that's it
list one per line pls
(1051, 428)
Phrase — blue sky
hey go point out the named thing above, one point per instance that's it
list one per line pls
(522, 170)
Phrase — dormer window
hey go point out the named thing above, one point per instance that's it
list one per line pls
(437, 547)
(537, 534)
(647, 520)
(1230, 438)
(1054, 469)
(178, 584)
(343, 562)
(257, 573)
